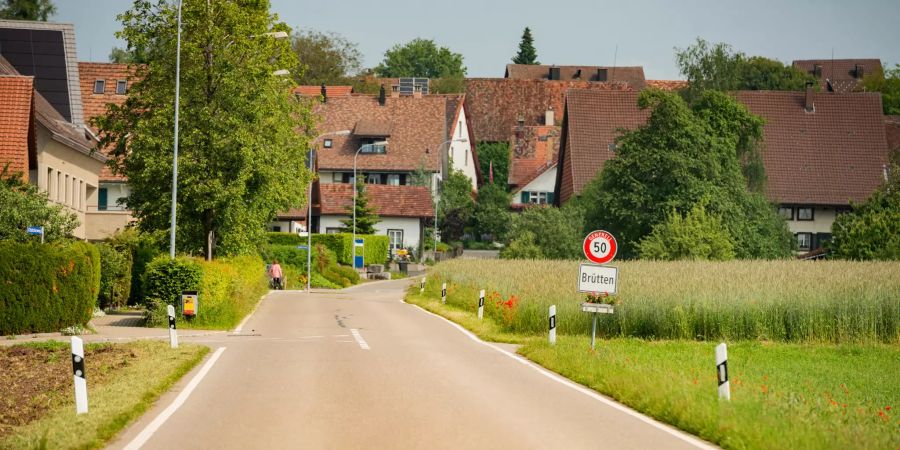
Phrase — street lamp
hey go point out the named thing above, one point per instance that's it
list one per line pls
(309, 205)
(353, 261)
(436, 188)
(272, 34)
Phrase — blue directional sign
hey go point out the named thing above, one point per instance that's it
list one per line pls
(302, 247)
(35, 230)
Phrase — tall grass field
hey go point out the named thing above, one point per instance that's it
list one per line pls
(789, 301)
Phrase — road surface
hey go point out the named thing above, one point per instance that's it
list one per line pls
(359, 368)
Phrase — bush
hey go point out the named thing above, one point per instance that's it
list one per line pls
(557, 232)
(375, 247)
(115, 276)
(165, 278)
(523, 247)
(349, 273)
(45, 288)
(872, 230)
(697, 236)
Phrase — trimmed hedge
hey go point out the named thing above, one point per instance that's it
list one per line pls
(47, 287)
(164, 279)
(375, 247)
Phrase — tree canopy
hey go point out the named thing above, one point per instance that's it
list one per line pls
(682, 156)
(126, 56)
(325, 58)
(697, 235)
(241, 158)
(719, 67)
(527, 53)
(40, 10)
(872, 229)
(546, 232)
(494, 155)
(421, 58)
(366, 217)
(22, 205)
(491, 215)
(455, 207)
(888, 83)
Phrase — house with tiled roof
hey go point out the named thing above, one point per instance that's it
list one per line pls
(532, 165)
(821, 151)
(388, 138)
(633, 76)
(839, 75)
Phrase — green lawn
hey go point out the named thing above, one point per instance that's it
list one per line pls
(123, 382)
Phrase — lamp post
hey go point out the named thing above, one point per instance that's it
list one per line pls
(309, 205)
(355, 181)
(436, 188)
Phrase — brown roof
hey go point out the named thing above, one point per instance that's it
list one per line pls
(495, 104)
(829, 157)
(631, 75)
(534, 150)
(594, 119)
(330, 91)
(16, 122)
(388, 201)
(95, 104)
(366, 127)
(841, 72)
(667, 85)
(418, 127)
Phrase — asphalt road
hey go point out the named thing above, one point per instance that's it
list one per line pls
(359, 369)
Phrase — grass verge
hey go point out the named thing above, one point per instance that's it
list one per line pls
(783, 394)
(120, 388)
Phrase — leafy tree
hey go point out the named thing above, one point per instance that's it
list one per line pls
(22, 205)
(888, 83)
(872, 230)
(125, 56)
(421, 58)
(697, 235)
(366, 218)
(240, 157)
(325, 57)
(492, 214)
(718, 67)
(496, 154)
(456, 206)
(39, 10)
(557, 232)
(681, 156)
(523, 247)
(448, 85)
(527, 53)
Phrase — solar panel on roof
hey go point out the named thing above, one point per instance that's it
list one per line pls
(41, 54)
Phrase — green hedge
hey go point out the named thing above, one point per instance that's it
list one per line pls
(164, 279)
(45, 288)
(375, 247)
(115, 276)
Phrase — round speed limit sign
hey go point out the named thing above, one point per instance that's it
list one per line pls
(600, 247)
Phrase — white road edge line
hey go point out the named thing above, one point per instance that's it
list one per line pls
(243, 322)
(690, 439)
(148, 431)
(359, 339)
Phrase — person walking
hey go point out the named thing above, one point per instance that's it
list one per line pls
(275, 272)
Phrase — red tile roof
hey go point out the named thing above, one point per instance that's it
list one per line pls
(95, 104)
(667, 85)
(16, 122)
(594, 119)
(330, 91)
(634, 76)
(495, 104)
(534, 150)
(841, 72)
(418, 126)
(829, 157)
(388, 201)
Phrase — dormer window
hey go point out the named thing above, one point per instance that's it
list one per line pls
(373, 146)
(121, 87)
(99, 86)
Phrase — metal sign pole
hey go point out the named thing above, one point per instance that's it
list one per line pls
(594, 331)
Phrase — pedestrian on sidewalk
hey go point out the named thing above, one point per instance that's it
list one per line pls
(275, 272)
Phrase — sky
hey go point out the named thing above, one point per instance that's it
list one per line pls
(573, 32)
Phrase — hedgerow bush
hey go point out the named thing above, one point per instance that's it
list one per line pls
(44, 288)
(115, 276)
(375, 248)
(165, 278)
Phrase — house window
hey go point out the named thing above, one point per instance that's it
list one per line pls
(276, 228)
(393, 179)
(328, 143)
(102, 199)
(787, 212)
(537, 198)
(347, 177)
(805, 213)
(369, 146)
(332, 230)
(804, 241)
(373, 178)
(99, 86)
(396, 237)
(121, 87)
(460, 128)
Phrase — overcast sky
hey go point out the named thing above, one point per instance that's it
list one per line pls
(587, 32)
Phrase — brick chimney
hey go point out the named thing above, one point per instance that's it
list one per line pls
(324, 94)
(809, 106)
(549, 119)
(382, 96)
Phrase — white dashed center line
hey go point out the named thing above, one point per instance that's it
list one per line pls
(359, 339)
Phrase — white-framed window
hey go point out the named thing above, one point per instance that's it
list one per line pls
(328, 143)
(332, 230)
(121, 87)
(99, 86)
(804, 241)
(806, 213)
(537, 197)
(373, 178)
(787, 212)
(337, 177)
(396, 239)
(393, 179)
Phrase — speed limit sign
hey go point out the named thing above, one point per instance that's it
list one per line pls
(600, 247)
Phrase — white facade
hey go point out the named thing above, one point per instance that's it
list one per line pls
(810, 224)
(545, 183)
(460, 153)
(409, 227)
(288, 226)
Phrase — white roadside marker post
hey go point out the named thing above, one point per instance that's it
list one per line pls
(444, 293)
(552, 324)
(722, 371)
(78, 376)
(173, 335)
(481, 304)
(422, 286)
